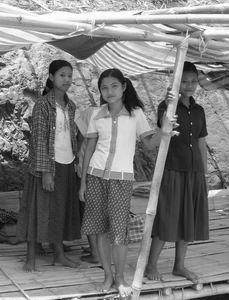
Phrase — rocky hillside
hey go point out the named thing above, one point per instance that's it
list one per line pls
(22, 76)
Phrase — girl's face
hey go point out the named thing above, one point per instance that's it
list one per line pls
(62, 79)
(112, 89)
(189, 82)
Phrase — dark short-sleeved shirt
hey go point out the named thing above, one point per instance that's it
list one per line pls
(184, 153)
(41, 151)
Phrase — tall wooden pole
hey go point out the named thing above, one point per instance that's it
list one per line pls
(158, 172)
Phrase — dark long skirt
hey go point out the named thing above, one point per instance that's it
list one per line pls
(182, 212)
(50, 216)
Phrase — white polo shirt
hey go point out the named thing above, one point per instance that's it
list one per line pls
(115, 149)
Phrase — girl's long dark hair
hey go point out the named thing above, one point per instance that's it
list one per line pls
(189, 67)
(53, 68)
(130, 99)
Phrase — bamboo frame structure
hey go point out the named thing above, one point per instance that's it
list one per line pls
(26, 22)
(140, 35)
(158, 172)
(97, 27)
(117, 18)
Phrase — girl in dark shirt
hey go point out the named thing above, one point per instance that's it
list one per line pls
(182, 212)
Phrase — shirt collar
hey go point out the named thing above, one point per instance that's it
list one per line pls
(192, 102)
(51, 98)
(104, 112)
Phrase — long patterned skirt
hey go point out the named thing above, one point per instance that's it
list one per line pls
(50, 216)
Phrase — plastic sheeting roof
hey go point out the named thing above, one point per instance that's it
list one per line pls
(116, 45)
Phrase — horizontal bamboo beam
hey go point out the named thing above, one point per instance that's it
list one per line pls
(28, 22)
(216, 33)
(188, 293)
(115, 18)
(140, 35)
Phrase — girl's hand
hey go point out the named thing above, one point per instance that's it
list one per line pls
(82, 191)
(48, 181)
(171, 123)
(170, 96)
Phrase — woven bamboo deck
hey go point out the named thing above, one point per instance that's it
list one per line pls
(210, 260)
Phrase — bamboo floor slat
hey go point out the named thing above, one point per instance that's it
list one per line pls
(209, 259)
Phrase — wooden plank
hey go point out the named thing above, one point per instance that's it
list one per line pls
(209, 259)
(10, 200)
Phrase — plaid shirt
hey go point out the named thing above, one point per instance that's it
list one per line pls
(42, 153)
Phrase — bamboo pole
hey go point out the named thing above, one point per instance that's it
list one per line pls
(187, 293)
(157, 176)
(117, 18)
(28, 22)
(26, 296)
(216, 33)
(125, 34)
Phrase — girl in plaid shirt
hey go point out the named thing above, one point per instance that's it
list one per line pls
(49, 210)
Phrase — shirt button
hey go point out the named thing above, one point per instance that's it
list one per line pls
(54, 127)
(115, 122)
(190, 123)
(190, 134)
(189, 112)
(190, 145)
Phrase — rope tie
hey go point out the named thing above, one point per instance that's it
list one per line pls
(95, 28)
(202, 45)
(186, 37)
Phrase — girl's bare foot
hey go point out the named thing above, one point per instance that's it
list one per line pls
(179, 271)
(123, 288)
(63, 260)
(152, 273)
(90, 259)
(29, 265)
(106, 285)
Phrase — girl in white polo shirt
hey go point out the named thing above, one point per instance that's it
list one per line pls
(107, 173)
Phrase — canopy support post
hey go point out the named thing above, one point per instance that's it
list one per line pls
(158, 172)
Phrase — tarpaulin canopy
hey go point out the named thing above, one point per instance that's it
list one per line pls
(134, 41)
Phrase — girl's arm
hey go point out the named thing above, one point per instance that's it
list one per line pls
(151, 141)
(203, 151)
(90, 149)
(80, 139)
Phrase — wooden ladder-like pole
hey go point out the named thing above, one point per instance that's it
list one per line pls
(158, 172)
